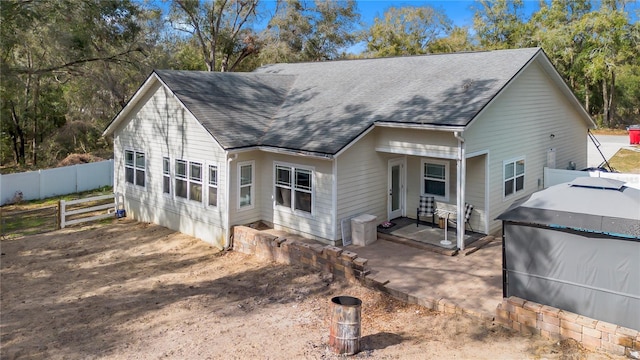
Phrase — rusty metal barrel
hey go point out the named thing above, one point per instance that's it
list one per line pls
(344, 334)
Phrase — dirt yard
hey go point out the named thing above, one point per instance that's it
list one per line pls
(137, 291)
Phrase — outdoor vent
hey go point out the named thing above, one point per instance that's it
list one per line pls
(597, 183)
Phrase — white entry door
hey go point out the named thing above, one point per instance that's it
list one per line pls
(395, 202)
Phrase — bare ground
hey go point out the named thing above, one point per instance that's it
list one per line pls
(131, 290)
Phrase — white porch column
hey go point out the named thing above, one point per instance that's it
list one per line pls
(461, 167)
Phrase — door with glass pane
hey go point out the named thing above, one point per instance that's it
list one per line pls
(395, 203)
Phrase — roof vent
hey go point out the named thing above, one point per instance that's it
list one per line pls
(597, 183)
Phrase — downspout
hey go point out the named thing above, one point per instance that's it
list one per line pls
(227, 219)
(461, 167)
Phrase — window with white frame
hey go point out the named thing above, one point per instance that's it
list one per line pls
(245, 186)
(166, 176)
(181, 188)
(213, 185)
(513, 176)
(435, 179)
(195, 181)
(188, 180)
(294, 188)
(135, 167)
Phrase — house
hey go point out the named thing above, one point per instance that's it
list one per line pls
(305, 146)
(576, 246)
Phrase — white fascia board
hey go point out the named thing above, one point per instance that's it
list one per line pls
(190, 113)
(553, 74)
(277, 150)
(130, 104)
(419, 126)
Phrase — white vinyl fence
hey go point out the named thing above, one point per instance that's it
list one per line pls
(95, 211)
(559, 176)
(58, 181)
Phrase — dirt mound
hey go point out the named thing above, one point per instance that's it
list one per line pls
(74, 159)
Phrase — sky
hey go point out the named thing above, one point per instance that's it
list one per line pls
(459, 11)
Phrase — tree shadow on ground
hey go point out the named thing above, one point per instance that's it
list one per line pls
(63, 294)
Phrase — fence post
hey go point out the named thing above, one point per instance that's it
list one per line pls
(61, 216)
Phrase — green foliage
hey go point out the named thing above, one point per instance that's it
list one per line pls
(407, 31)
(499, 24)
(314, 31)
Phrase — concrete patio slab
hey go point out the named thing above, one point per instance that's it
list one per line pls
(472, 283)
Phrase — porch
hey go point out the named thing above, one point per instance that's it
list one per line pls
(425, 236)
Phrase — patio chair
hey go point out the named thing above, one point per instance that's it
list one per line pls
(426, 207)
(468, 209)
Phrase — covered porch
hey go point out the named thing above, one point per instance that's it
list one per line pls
(423, 235)
(434, 163)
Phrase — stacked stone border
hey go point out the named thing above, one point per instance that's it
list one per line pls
(524, 316)
(529, 317)
(292, 249)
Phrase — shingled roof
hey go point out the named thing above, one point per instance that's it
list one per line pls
(321, 107)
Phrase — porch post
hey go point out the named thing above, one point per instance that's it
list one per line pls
(461, 167)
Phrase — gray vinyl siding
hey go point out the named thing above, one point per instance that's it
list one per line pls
(362, 181)
(159, 126)
(519, 124)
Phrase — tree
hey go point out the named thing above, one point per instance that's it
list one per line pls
(406, 31)
(47, 46)
(314, 31)
(220, 28)
(500, 24)
(457, 40)
(610, 46)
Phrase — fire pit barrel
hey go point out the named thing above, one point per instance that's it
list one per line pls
(344, 335)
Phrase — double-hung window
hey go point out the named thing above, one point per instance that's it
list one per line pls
(213, 185)
(181, 179)
(294, 188)
(245, 186)
(188, 180)
(435, 179)
(166, 176)
(513, 176)
(134, 167)
(195, 181)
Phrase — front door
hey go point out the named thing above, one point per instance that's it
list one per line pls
(395, 203)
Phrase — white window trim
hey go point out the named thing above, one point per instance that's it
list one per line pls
(291, 209)
(217, 186)
(524, 175)
(188, 180)
(169, 175)
(253, 185)
(134, 167)
(447, 178)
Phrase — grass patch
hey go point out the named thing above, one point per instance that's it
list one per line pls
(38, 216)
(626, 161)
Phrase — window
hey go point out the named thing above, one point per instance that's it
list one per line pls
(513, 176)
(213, 185)
(435, 179)
(299, 182)
(245, 190)
(195, 181)
(166, 176)
(181, 179)
(188, 180)
(134, 167)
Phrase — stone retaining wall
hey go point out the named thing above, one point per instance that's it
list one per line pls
(529, 317)
(290, 249)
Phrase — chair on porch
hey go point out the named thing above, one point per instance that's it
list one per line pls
(468, 209)
(427, 206)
